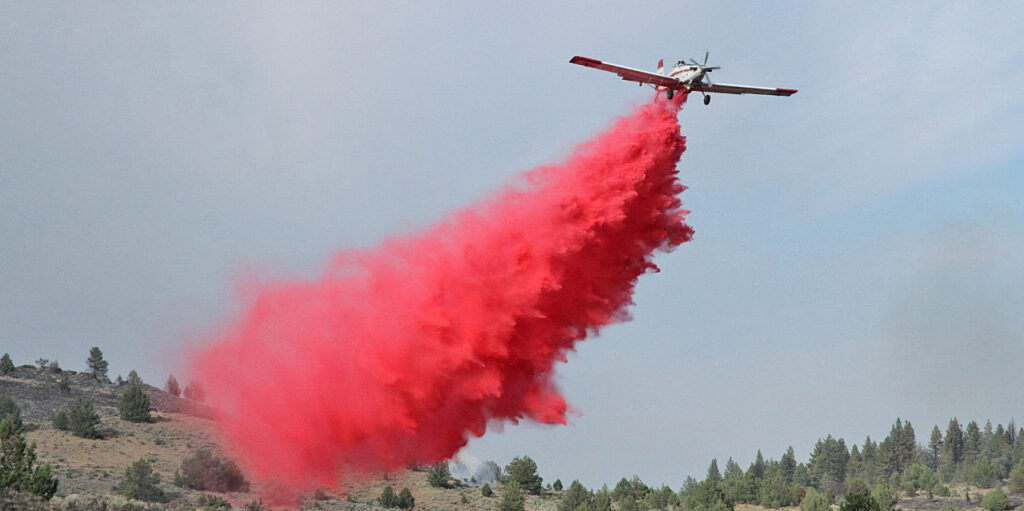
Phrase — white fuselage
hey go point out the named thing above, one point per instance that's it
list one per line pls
(687, 74)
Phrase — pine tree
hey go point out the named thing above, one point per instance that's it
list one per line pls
(512, 497)
(828, 465)
(524, 471)
(575, 496)
(133, 378)
(787, 464)
(134, 405)
(172, 386)
(714, 476)
(935, 446)
(972, 441)
(97, 365)
(19, 470)
(758, 467)
(953, 446)
(6, 365)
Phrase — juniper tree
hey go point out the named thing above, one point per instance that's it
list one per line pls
(82, 419)
(405, 499)
(439, 476)
(133, 378)
(10, 410)
(172, 386)
(388, 498)
(6, 365)
(134, 405)
(141, 483)
(97, 365)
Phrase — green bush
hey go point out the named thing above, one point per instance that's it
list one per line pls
(858, 502)
(209, 472)
(141, 483)
(995, 500)
(134, 405)
(486, 490)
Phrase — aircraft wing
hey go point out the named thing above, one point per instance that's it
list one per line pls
(743, 89)
(628, 73)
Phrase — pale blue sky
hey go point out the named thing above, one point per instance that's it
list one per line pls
(858, 253)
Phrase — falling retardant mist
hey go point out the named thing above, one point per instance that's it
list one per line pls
(398, 354)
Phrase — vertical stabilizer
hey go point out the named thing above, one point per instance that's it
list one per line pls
(661, 67)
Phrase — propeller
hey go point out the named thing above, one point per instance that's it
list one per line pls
(704, 67)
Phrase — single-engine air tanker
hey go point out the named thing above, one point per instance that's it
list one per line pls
(688, 77)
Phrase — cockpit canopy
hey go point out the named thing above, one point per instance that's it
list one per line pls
(681, 63)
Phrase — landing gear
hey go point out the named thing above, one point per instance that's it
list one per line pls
(707, 100)
(670, 93)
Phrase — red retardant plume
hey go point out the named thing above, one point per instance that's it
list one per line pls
(398, 354)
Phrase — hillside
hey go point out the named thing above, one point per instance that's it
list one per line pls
(89, 469)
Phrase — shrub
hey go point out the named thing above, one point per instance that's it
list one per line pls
(134, 405)
(995, 500)
(207, 471)
(53, 367)
(524, 471)
(486, 490)
(82, 419)
(858, 502)
(141, 483)
(18, 468)
(439, 476)
(405, 499)
(213, 503)
(6, 365)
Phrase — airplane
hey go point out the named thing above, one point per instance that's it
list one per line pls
(688, 77)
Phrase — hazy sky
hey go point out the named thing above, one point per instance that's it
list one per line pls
(859, 252)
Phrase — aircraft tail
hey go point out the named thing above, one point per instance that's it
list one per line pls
(661, 67)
